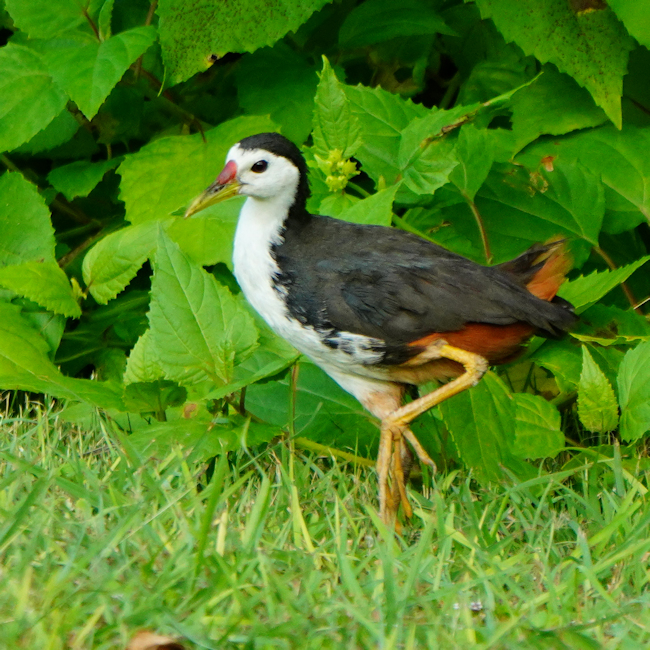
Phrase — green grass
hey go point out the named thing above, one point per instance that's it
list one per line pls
(285, 551)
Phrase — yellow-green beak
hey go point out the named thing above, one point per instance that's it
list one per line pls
(223, 188)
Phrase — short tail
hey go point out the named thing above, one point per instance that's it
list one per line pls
(542, 268)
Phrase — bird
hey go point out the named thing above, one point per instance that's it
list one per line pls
(380, 310)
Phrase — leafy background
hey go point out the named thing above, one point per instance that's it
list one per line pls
(483, 126)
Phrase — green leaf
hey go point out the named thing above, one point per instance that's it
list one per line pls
(154, 396)
(193, 31)
(335, 126)
(537, 427)
(378, 20)
(88, 69)
(44, 283)
(481, 423)
(27, 233)
(60, 130)
(80, 177)
(114, 261)
(142, 364)
(585, 291)
(324, 412)
(382, 117)
(272, 356)
(24, 365)
(45, 19)
(280, 83)
(199, 330)
(104, 20)
(563, 359)
(553, 104)
(597, 407)
(208, 238)
(634, 392)
(592, 46)
(377, 209)
(618, 157)
(635, 15)
(29, 98)
(166, 174)
(475, 154)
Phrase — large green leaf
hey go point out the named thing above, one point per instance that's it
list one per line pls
(44, 283)
(587, 290)
(88, 69)
(27, 233)
(320, 409)
(377, 209)
(142, 364)
(537, 427)
(618, 157)
(199, 330)
(45, 19)
(24, 365)
(481, 422)
(634, 392)
(29, 97)
(375, 21)
(80, 178)
(113, 262)
(280, 83)
(382, 117)
(193, 31)
(597, 407)
(475, 155)
(635, 15)
(165, 175)
(592, 46)
(335, 126)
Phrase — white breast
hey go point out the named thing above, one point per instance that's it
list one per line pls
(259, 228)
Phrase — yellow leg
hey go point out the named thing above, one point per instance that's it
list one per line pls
(394, 428)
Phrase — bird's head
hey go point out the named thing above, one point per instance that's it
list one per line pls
(266, 166)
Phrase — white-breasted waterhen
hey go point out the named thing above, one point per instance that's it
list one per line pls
(377, 308)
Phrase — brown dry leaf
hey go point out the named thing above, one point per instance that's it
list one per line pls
(147, 640)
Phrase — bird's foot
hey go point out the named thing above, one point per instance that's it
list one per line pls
(394, 466)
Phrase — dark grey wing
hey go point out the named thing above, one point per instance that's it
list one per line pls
(391, 285)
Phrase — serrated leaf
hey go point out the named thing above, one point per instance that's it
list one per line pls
(27, 233)
(114, 261)
(481, 423)
(377, 20)
(280, 83)
(166, 174)
(44, 18)
(24, 365)
(597, 407)
(377, 209)
(587, 290)
(80, 177)
(324, 412)
(88, 69)
(635, 15)
(591, 46)
(29, 97)
(335, 126)
(475, 155)
(192, 31)
(44, 283)
(553, 104)
(199, 330)
(634, 393)
(618, 157)
(537, 427)
(142, 364)
(60, 130)
(382, 118)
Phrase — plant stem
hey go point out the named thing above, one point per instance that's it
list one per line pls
(481, 228)
(626, 289)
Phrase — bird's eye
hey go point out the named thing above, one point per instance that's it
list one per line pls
(259, 166)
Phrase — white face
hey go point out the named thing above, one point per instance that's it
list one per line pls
(264, 175)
